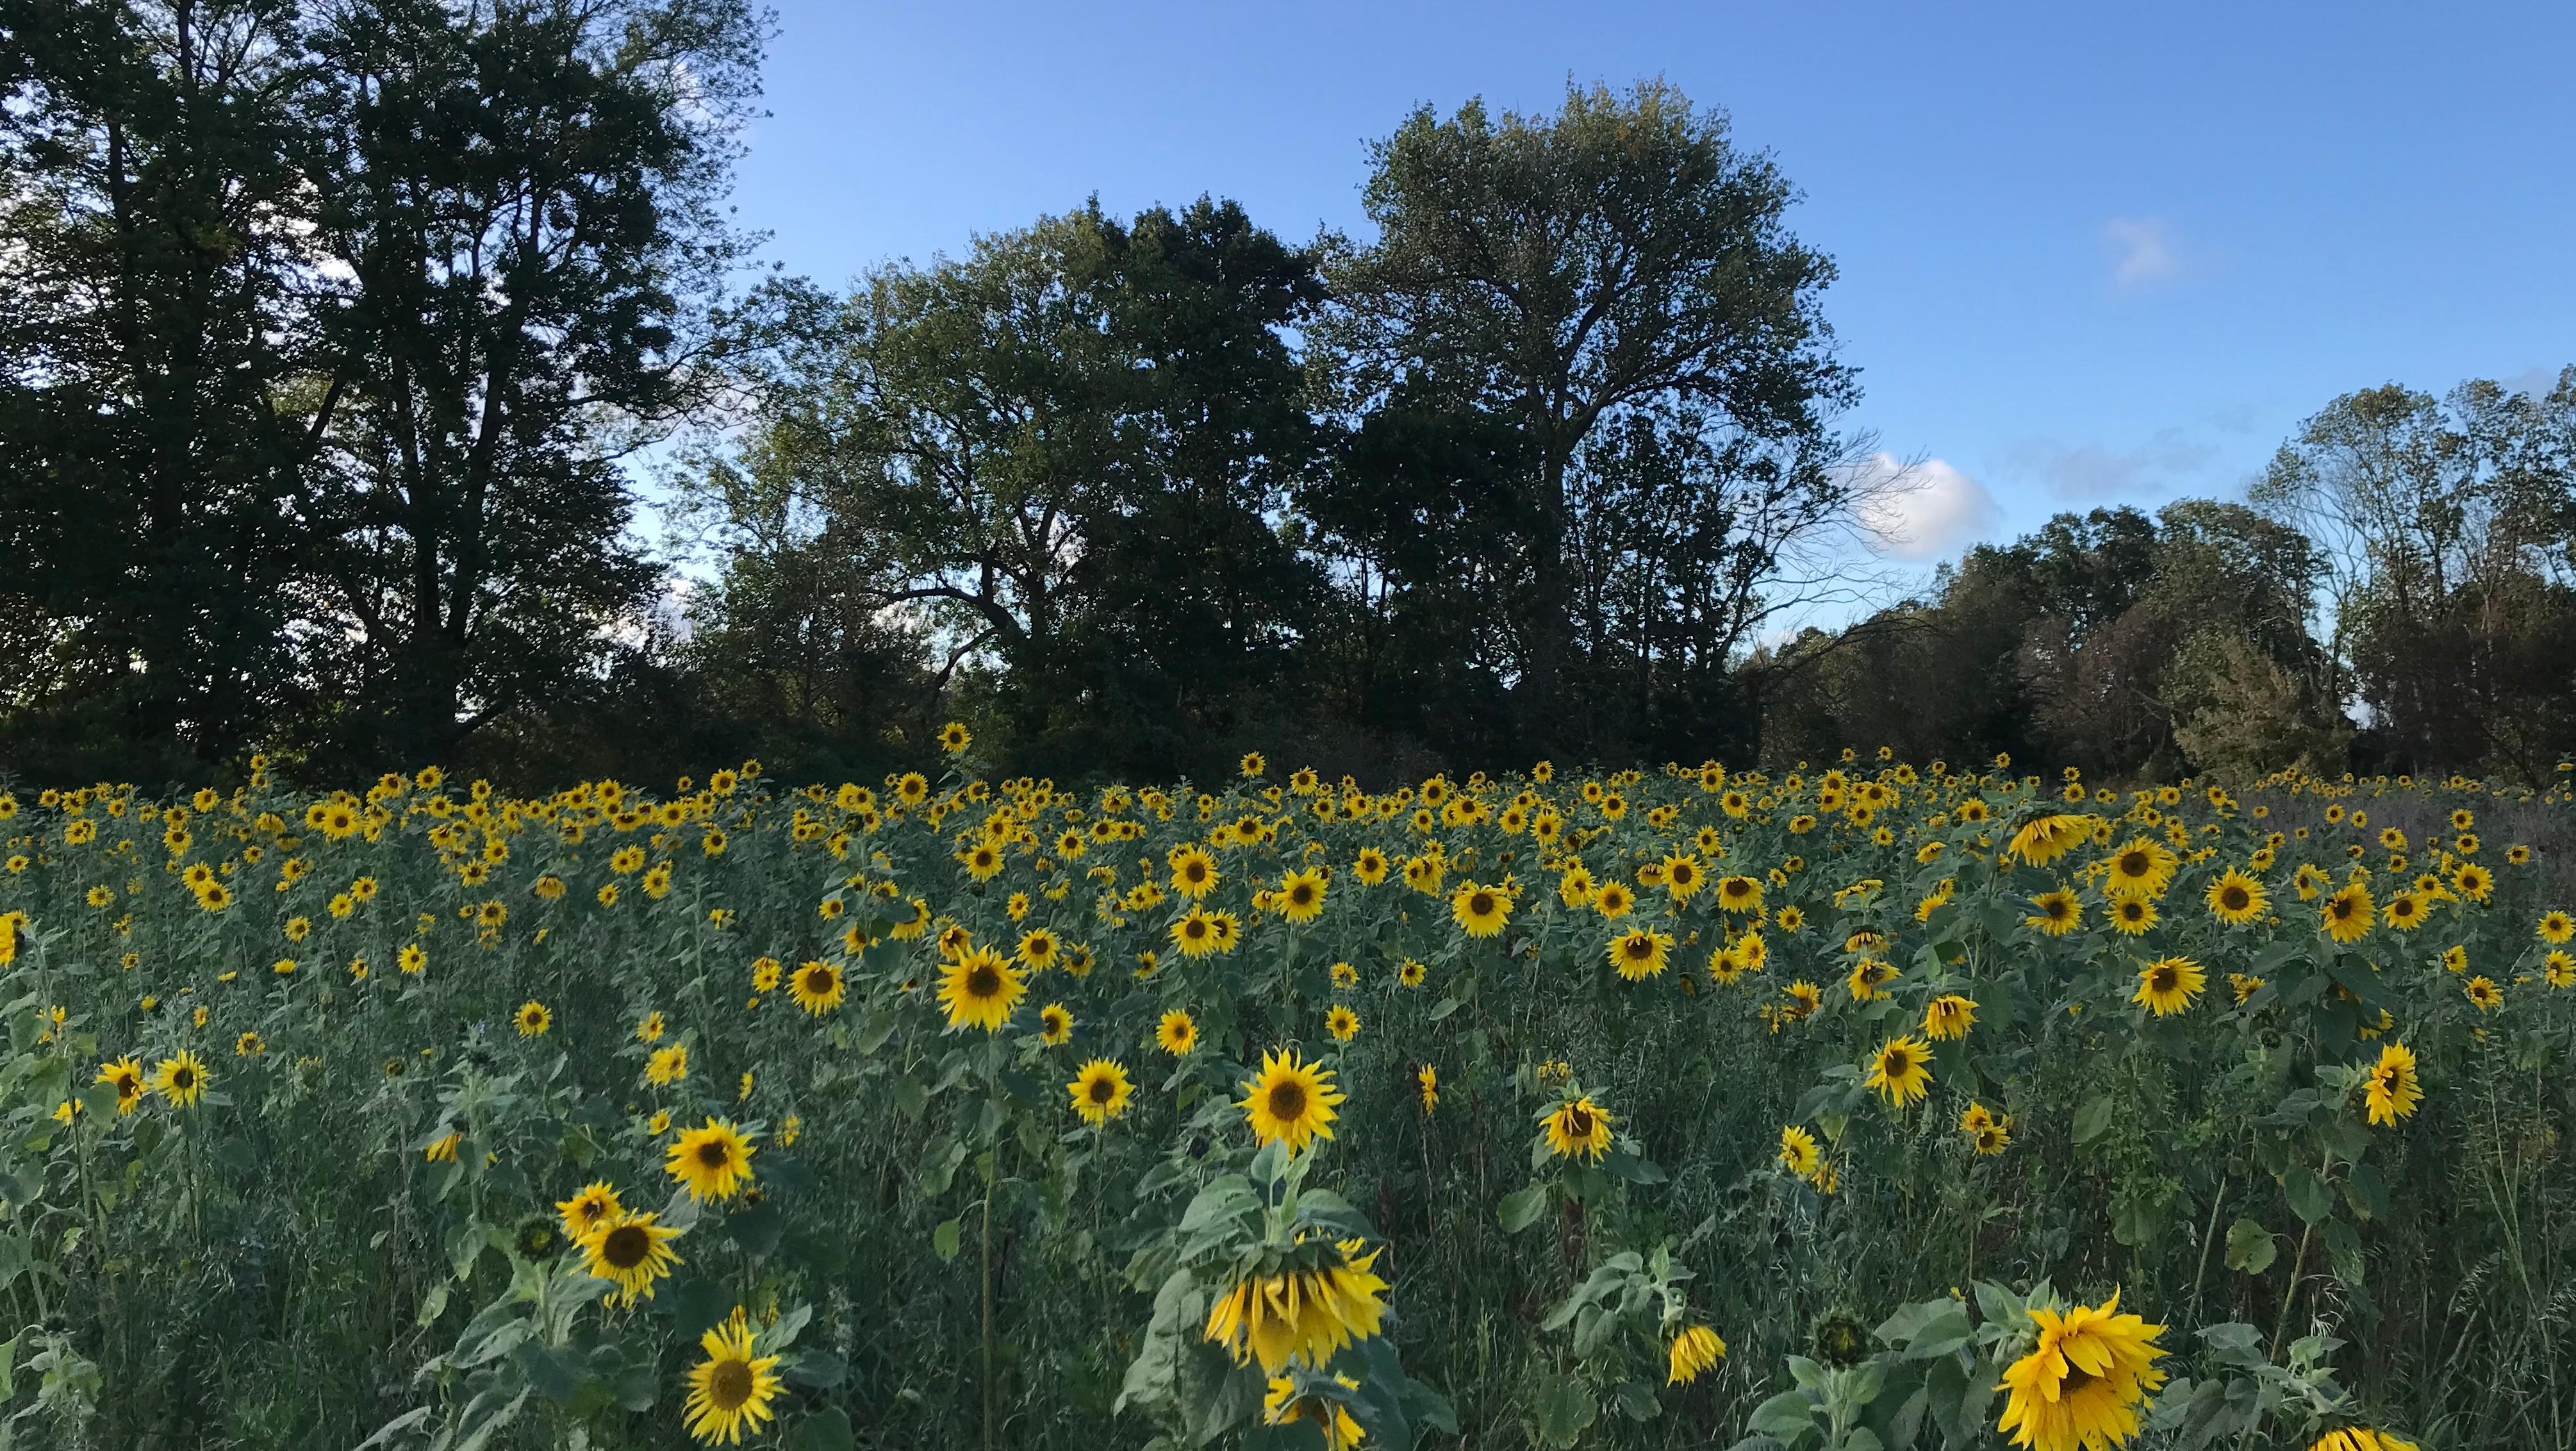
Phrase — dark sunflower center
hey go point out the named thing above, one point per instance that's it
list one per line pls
(1301, 894)
(1481, 905)
(183, 1078)
(983, 982)
(2164, 979)
(1288, 1101)
(2133, 864)
(1899, 1064)
(1639, 949)
(2233, 899)
(818, 981)
(1578, 1123)
(1102, 1090)
(625, 1247)
(730, 1386)
(715, 1154)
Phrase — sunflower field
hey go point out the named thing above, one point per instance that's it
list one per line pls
(1869, 1108)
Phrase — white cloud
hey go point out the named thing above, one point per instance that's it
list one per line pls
(1923, 511)
(2142, 251)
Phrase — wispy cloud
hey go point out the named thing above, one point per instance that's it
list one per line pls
(1925, 511)
(2142, 251)
(2092, 472)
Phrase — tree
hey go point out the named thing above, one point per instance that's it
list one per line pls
(1619, 264)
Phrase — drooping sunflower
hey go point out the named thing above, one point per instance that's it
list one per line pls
(1304, 1313)
(1281, 1405)
(2236, 898)
(979, 988)
(594, 1205)
(1290, 1099)
(2143, 867)
(817, 987)
(1177, 1033)
(2081, 1386)
(1693, 1352)
(1480, 911)
(1578, 1126)
(1426, 1082)
(1100, 1090)
(713, 1161)
(2347, 914)
(2045, 839)
(2059, 913)
(630, 1249)
(730, 1391)
(2393, 1090)
(180, 1079)
(1948, 1016)
(1901, 1070)
(2167, 985)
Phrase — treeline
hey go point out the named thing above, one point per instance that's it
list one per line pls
(338, 337)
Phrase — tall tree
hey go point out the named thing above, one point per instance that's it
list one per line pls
(1620, 259)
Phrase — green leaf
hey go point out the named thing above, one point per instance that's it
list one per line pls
(2250, 1247)
(2309, 1197)
(2093, 1120)
(943, 1240)
(825, 1430)
(1566, 1409)
(1522, 1207)
(1637, 1402)
(1787, 1415)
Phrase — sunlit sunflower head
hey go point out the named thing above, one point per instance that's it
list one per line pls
(731, 1390)
(817, 986)
(1177, 1033)
(2393, 1091)
(594, 1205)
(1901, 1070)
(2348, 914)
(1948, 1016)
(180, 1079)
(2556, 928)
(1100, 1090)
(2235, 898)
(1342, 1023)
(2081, 1385)
(2167, 985)
(2405, 911)
(1055, 1024)
(1301, 895)
(1613, 899)
(1480, 911)
(2131, 914)
(2144, 867)
(1371, 867)
(2558, 969)
(1578, 1128)
(2483, 992)
(1739, 894)
(533, 1019)
(1798, 1152)
(2055, 913)
(1640, 953)
(979, 990)
(1290, 1100)
(125, 1075)
(1411, 972)
(629, 1249)
(712, 1161)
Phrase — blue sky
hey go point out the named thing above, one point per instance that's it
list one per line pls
(2089, 254)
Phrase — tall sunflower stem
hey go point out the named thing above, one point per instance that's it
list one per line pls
(2297, 1263)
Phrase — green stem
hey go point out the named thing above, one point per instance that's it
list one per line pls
(2297, 1261)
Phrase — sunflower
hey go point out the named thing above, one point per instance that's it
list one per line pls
(533, 1019)
(1480, 911)
(2347, 914)
(2558, 969)
(2361, 1438)
(2556, 928)
(1683, 876)
(1639, 953)
(126, 1075)
(731, 1389)
(1300, 897)
(1342, 1023)
(816, 987)
(2082, 1384)
(2235, 898)
(2142, 867)
(2167, 985)
(1055, 1025)
(1196, 933)
(713, 1162)
(1740, 894)
(1948, 1016)
(2131, 914)
(1578, 1126)
(2393, 1089)
(1426, 1081)
(1177, 1033)
(1306, 1313)
(1194, 872)
(953, 737)
(2483, 992)
(666, 1066)
(595, 1205)
(2473, 882)
(1613, 900)
(979, 988)
(2046, 838)
(2405, 911)
(180, 1079)
(1038, 949)
(1281, 1406)
(2059, 913)
(1693, 1352)
(1290, 1099)
(1371, 867)
(1100, 1090)
(1901, 1071)
(1798, 1152)
(629, 1249)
